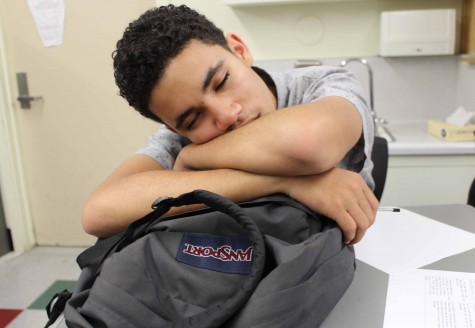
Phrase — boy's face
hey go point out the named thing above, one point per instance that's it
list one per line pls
(206, 91)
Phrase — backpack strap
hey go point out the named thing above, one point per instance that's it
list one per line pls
(279, 199)
(216, 316)
(95, 256)
(56, 306)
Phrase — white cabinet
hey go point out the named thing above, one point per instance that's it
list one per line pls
(428, 180)
(418, 32)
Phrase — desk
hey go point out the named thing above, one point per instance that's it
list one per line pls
(363, 304)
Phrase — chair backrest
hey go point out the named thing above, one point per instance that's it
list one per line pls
(379, 156)
(471, 194)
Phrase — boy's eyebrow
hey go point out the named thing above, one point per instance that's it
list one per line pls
(211, 72)
(206, 82)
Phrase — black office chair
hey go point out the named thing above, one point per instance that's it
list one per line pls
(471, 194)
(379, 156)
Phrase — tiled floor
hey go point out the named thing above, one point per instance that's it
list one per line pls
(28, 281)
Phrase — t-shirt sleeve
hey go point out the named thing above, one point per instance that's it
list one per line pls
(336, 81)
(341, 82)
(314, 83)
(164, 146)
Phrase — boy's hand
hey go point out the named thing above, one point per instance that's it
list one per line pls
(340, 195)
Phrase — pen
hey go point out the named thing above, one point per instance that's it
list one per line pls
(389, 209)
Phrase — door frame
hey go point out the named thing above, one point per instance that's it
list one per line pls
(12, 178)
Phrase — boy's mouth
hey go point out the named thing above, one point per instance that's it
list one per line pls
(245, 122)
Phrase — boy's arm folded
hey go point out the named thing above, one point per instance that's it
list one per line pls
(307, 139)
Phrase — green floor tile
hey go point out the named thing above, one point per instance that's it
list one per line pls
(56, 287)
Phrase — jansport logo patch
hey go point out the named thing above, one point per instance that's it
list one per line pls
(219, 253)
(223, 253)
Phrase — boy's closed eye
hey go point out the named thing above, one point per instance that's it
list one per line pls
(194, 117)
(223, 82)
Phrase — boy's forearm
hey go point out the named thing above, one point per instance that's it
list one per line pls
(296, 141)
(113, 206)
(339, 194)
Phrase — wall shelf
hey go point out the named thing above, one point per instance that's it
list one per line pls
(248, 3)
(470, 58)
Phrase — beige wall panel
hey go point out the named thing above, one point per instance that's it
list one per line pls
(81, 130)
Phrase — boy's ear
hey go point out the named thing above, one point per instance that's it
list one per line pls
(239, 48)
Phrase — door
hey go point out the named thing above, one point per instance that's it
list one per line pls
(80, 129)
(5, 242)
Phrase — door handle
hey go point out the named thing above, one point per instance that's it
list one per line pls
(24, 98)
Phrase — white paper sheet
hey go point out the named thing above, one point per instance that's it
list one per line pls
(404, 240)
(460, 117)
(430, 299)
(49, 20)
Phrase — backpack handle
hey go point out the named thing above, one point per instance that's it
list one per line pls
(213, 317)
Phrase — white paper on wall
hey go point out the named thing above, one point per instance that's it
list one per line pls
(49, 20)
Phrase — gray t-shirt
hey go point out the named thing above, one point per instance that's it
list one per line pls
(294, 87)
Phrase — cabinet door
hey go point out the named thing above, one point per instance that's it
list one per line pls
(428, 180)
(468, 27)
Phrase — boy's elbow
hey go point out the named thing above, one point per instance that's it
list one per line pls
(315, 157)
(94, 217)
(319, 164)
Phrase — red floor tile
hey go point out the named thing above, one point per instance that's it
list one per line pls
(7, 315)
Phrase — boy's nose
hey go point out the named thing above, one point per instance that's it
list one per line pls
(226, 117)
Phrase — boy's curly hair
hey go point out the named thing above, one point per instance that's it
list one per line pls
(150, 43)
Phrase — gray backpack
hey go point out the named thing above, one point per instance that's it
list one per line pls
(271, 262)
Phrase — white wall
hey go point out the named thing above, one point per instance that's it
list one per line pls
(466, 86)
(73, 138)
(404, 89)
(349, 28)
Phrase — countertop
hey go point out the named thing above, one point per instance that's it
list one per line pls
(412, 138)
